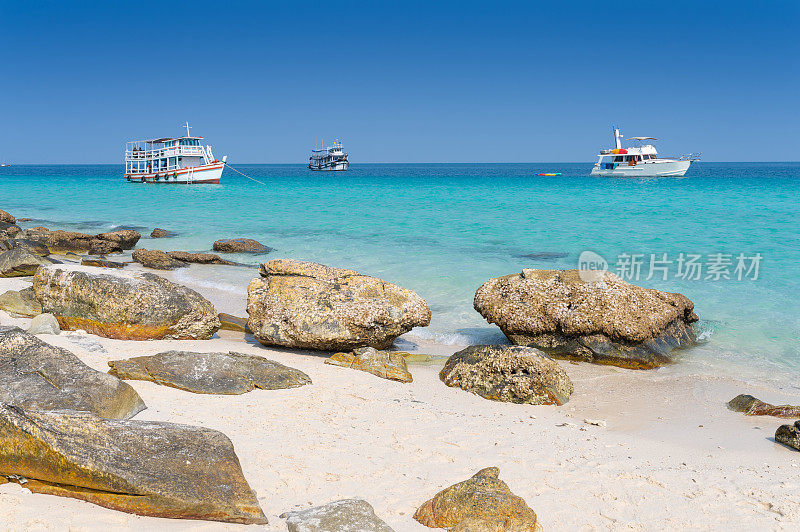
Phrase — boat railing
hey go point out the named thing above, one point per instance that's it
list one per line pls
(166, 152)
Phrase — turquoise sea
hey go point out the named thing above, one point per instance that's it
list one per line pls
(443, 229)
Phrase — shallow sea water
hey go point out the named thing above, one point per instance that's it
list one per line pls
(443, 229)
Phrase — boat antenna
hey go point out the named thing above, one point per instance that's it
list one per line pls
(188, 127)
(617, 136)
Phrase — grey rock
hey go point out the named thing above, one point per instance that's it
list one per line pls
(44, 324)
(514, 374)
(40, 376)
(19, 262)
(199, 258)
(789, 435)
(348, 515)
(217, 373)
(35, 248)
(144, 467)
(592, 316)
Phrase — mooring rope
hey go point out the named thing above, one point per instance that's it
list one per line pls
(245, 175)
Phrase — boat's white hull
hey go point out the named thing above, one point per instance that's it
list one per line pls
(645, 169)
(330, 167)
(206, 174)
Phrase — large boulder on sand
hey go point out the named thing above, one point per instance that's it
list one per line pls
(312, 306)
(348, 515)
(144, 467)
(509, 373)
(219, 373)
(19, 262)
(240, 245)
(61, 242)
(481, 503)
(604, 319)
(389, 365)
(40, 376)
(122, 304)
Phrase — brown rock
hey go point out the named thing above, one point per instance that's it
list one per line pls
(240, 245)
(101, 263)
(161, 233)
(39, 376)
(123, 238)
(508, 373)
(21, 303)
(605, 320)
(233, 323)
(24, 219)
(482, 503)
(199, 258)
(754, 407)
(144, 467)
(217, 373)
(312, 306)
(385, 364)
(156, 259)
(124, 304)
(7, 218)
(103, 247)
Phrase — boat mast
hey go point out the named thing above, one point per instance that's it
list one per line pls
(617, 136)
(187, 129)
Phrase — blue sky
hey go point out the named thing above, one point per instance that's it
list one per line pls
(400, 81)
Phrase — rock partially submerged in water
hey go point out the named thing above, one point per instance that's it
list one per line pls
(789, 435)
(129, 305)
(19, 262)
(603, 320)
(21, 302)
(513, 374)
(755, 407)
(143, 467)
(40, 376)
(389, 365)
(481, 503)
(312, 306)
(240, 245)
(199, 258)
(354, 515)
(156, 259)
(217, 373)
(161, 233)
(123, 238)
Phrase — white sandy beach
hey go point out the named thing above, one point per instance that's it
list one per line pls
(671, 455)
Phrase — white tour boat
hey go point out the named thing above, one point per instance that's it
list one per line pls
(639, 161)
(329, 159)
(181, 160)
